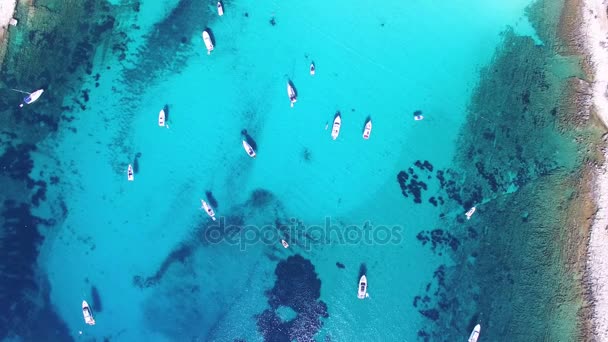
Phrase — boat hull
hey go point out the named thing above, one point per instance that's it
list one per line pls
(291, 93)
(208, 209)
(470, 213)
(130, 175)
(336, 127)
(368, 130)
(220, 8)
(86, 312)
(362, 293)
(208, 42)
(250, 151)
(161, 118)
(475, 333)
(33, 97)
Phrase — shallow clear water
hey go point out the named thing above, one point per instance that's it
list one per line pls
(160, 272)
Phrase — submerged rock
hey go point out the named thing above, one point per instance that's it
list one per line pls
(297, 287)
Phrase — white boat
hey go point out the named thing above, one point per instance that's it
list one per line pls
(291, 93)
(284, 243)
(32, 97)
(161, 118)
(367, 130)
(362, 288)
(470, 213)
(208, 42)
(475, 333)
(208, 209)
(130, 175)
(86, 312)
(220, 8)
(418, 117)
(250, 151)
(336, 127)
(312, 69)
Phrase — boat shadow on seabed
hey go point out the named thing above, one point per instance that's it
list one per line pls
(212, 201)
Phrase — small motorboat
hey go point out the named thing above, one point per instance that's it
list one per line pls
(362, 288)
(418, 117)
(291, 93)
(475, 333)
(130, 175)
(161, 118)
(208, 42)
(312, 69)
(86, 312)
(220, 8)
(470, 213)
(250, 151)
(208, 209)
(284, 243)
(336, 127)
(32, 97)
(367, 130)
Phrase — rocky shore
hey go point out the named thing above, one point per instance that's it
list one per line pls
(588, 26)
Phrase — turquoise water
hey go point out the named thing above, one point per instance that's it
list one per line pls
(145, 245)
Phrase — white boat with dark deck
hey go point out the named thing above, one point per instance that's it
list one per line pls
(367, 130)
(208, 42)
(86, 312)
(475, 333)
(208, 209)
(362, 294)
(250, 151)
(335, 131)
(284, 243)
(312, 69)
(32, 97)
(130, 175)
(291, 93)
(161, 118)
(220, 8)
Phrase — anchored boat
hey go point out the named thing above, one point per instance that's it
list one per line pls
(312, 68)
(86, 312)
(470, 213)
(208, 209)
(362, 294)
(291, 92)
(250, 151)
(130, 175)
(336, 127)
(284, 243)
(367, 130)
(32, 97)
(220, 8)
(208, 42)
(475, 333)
(161, 118)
